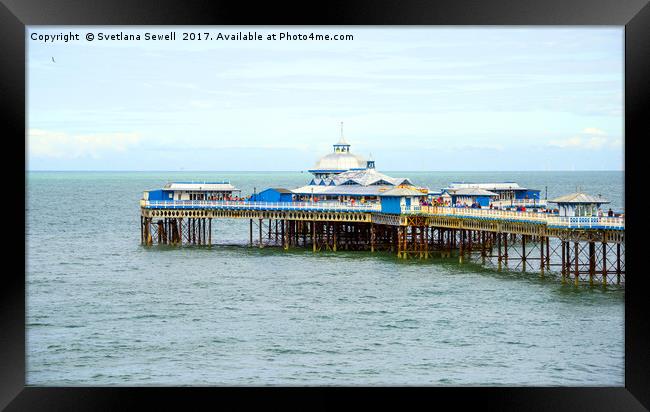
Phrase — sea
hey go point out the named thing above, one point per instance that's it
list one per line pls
(103, 310)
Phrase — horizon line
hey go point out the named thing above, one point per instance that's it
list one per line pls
(306, 171)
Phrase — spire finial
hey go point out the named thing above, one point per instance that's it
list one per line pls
(342, 145)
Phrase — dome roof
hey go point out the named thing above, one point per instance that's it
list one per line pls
(340, 161)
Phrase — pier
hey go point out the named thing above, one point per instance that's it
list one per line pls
(580, 250)
(349, 205)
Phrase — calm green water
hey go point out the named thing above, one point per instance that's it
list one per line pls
(103, 310)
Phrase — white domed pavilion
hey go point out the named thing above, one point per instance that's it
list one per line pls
(341, 160)
(342, 176)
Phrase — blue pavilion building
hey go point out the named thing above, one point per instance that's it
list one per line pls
(579, 204)
(501, 194)
(194, 191)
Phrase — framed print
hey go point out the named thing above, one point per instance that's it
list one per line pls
(385, 201)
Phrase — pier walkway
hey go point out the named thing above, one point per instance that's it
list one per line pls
(260, 206)
(550, 220)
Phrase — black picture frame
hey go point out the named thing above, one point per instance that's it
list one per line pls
(633, 14)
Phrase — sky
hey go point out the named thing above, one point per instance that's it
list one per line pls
(415, 99)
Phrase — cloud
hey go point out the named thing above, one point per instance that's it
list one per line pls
(574, 141)
(469, 147)
(590, 138)
(593, 131)
(53, 144)
(616, 144)
(191, 146)
(201, 104)
(180, 85)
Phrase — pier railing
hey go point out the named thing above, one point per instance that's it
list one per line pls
(520, 202)
(577, 222)
(244, 205)
(581, 222)
(477, 213)
(586, 222)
